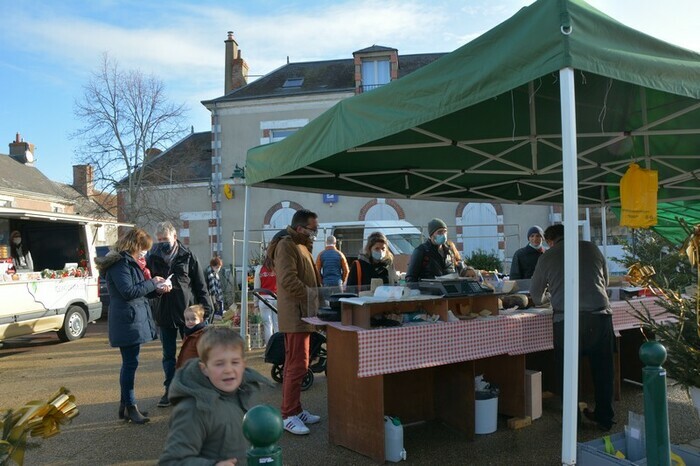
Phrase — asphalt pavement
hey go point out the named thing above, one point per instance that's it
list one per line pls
(34, 368)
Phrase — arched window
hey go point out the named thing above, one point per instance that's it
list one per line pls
(479, 223)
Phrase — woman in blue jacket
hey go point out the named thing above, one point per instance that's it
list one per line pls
(130, 320)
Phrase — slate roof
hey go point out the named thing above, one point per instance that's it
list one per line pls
(319, 77)
(25, 180)
(188, 160)
(16, 177)
(376, 48)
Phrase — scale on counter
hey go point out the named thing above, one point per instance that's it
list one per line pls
(452, 287)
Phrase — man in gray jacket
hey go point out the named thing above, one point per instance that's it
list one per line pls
(596, 335)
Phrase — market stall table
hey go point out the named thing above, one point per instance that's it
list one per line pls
(424, 372)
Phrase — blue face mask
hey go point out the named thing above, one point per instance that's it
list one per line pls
(440, 239)
(377, 255)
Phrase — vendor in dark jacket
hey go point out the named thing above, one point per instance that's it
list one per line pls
(130, 321)
(170, 256)
(525, 259)
(375, 261)
(436, 257)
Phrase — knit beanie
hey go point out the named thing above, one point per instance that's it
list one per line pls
(535, 229)
(434, 225)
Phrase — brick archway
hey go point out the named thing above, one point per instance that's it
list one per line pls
(279, 206)
(499, 228)
(390, 202)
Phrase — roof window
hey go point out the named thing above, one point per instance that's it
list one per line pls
(293, 82)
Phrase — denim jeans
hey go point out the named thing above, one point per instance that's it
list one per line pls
(168, 339)
(130, 361)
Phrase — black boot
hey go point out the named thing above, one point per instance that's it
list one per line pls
(135, 416)
(122, 408)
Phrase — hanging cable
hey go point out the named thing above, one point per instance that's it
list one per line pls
(512, 111)
(604, 110)
(535, 91)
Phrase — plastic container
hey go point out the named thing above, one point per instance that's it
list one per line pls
(486, 411)
(393, 440)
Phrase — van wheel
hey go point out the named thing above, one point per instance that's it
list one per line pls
(74, 325)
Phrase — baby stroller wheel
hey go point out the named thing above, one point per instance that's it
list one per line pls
(277, 372)
(307, 381)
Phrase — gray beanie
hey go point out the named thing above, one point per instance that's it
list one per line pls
(434, 225)
(535, 229)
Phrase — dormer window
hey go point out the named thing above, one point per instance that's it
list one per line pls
(375, 73)
(293, 82)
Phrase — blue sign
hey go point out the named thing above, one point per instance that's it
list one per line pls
(330, 198)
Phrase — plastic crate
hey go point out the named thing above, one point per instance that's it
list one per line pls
(593, 453)
(255, 332)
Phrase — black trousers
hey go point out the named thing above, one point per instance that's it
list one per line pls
(597, 343)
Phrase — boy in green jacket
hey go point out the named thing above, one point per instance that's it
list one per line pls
(211, 394)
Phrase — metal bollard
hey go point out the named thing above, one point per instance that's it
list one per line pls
(653, 355)
(262, 426)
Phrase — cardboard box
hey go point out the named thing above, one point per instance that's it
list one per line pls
(533, 394)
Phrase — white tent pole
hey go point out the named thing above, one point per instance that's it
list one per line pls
(570, 181)
(244, 266)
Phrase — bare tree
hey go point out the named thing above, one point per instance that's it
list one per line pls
(125, 116)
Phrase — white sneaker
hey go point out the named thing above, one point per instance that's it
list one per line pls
(295, 426)
(308, 418)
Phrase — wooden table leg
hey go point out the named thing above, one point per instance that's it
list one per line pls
(454, 396)
(355, 405)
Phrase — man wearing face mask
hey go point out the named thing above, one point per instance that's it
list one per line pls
(297, 292)
(21, 257)
(525, 259)
(436, 257)
(170, 258)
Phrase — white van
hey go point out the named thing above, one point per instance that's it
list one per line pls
(61, 292)
(351, 236)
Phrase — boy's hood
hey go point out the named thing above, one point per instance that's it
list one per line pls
(190, 382)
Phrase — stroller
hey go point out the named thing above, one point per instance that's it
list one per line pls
(274, 351)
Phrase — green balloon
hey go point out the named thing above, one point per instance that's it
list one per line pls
(262, 426)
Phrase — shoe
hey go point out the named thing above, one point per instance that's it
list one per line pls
(135, 416)
(296, 426)
(590, 416)
(164, 402)
(308, 418)
(122, 408)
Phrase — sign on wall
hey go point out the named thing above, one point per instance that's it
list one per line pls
(330, 198)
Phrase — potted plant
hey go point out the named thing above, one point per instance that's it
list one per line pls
(682, 337)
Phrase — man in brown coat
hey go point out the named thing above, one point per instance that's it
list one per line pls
(297, 294)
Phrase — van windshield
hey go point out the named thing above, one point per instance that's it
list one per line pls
(405, 243)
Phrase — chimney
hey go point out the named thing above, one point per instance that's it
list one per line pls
(236, 72)
(82, 179)
(21, 151)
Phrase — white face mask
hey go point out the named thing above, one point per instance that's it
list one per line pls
(142, 254)
(17, 241)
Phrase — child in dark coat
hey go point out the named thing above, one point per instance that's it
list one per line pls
(195, 325)
(211, 395)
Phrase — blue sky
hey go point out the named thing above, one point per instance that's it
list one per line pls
(48, 48)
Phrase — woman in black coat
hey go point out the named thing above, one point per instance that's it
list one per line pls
(130, 320)
(375, 261)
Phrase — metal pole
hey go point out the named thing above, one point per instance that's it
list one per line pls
(570, 180)
(604, 228)
(653, 354)
(244, 264)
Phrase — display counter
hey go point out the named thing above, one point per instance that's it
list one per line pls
(426, 372)
(423, 372)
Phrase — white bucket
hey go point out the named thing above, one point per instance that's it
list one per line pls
(486, 416)
(393, 440)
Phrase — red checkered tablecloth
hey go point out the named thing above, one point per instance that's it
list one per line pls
(389, 350)
(624, 317)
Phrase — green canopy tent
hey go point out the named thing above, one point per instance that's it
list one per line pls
(549, 107)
